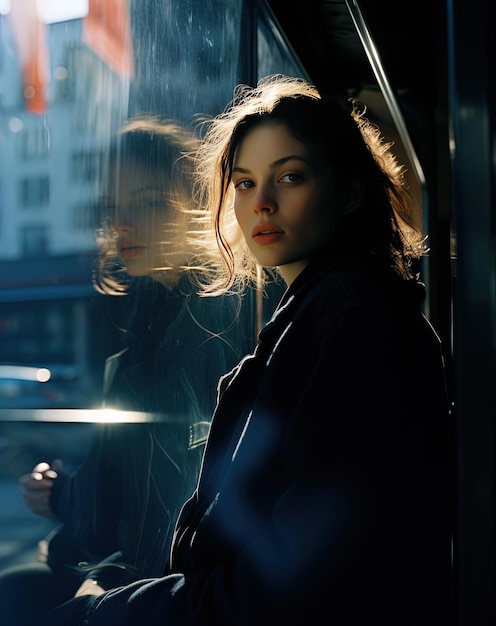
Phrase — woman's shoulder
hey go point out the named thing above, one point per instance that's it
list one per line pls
(350, 300)
(359, 286)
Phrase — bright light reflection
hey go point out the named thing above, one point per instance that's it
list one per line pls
(116, 416)
(51, 11)
(82, 416)
(107, 416)
(15, 124)
(43, 374)
(25, 372)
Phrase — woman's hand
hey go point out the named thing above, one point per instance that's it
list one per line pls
(89, 588)
(37, 486)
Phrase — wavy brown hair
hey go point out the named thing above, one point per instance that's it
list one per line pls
(161, 145)
(337, 132)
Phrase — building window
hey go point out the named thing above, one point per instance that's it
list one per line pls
(35, 192)
(35, 143)
(34, 240)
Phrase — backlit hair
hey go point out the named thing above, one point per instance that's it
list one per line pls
(339, 134)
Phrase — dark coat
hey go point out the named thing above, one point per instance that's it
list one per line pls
(324, 494)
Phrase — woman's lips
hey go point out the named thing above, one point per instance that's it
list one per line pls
(129, 251)
(265, 234)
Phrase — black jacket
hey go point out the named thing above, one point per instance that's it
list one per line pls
(324, 495)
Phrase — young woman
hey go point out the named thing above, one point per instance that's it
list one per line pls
(118, 510)
(324, 493)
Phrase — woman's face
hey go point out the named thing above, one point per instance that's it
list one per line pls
(147, 240)
(286, 201)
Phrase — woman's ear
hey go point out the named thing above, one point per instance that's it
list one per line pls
(352, 194)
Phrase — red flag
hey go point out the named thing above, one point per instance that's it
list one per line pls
(31, 41)
(106, 29)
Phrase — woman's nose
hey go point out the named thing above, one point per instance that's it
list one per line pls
(123, 228)
(264, 201)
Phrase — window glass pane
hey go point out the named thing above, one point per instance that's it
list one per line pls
(70, 187)
(273, 52)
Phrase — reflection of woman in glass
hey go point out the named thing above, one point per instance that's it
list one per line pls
(121, 505)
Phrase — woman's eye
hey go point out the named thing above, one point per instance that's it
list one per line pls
(243, 184)
(292, 177)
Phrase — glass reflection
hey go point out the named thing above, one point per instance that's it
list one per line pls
(66, 91)
(116, 511)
